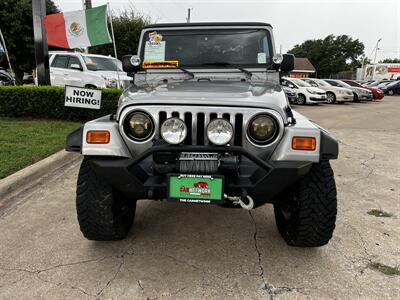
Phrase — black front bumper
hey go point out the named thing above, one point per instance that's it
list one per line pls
(262, 180)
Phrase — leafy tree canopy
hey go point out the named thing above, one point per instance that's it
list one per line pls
(16, 23)
(390, 61)
(331, 55)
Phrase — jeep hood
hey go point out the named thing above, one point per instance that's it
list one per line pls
(210, 93)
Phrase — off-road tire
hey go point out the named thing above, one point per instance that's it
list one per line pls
(103, 213)
(355, 99)
(306, 215)
(332, 99)
(301, 99)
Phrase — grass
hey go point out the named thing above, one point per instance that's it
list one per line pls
(24, 142)
(387, 270)
(379, 213)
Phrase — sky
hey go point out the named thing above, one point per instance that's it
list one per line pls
(294, 21)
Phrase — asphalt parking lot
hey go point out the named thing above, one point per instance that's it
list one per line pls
(195, 252)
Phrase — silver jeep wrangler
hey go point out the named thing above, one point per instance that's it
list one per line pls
(206, 122)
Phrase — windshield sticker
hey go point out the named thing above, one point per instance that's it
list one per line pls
(155, 38)
(154, 52)
(167, 64)
(261, 58)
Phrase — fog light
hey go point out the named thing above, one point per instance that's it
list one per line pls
(219, 131)
(173, 131)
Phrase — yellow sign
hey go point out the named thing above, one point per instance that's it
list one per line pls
(167, 64)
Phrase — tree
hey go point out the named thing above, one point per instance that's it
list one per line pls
(390, 61)
(331, 55)
(16, 23)
(127, 29)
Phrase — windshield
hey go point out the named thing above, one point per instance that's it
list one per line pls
(95, 63)
(300, 82)
(388, 84)
(199, 47)
(322, 83)
(352, 83)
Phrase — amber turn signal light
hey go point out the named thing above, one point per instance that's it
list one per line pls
(304, 143)
(98, 137)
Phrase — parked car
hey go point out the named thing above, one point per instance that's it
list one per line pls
(6, 78)
(290, 94)
(306, 94)
(333, 93)
(232, 132)
(377, 93)
(359, 93)
(86, 70)
(392, 88)
(376, 83)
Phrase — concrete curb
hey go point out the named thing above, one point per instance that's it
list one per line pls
(30, 174)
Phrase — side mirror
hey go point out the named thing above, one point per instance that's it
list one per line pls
(287, 64)
(131, 63)
(76, 67)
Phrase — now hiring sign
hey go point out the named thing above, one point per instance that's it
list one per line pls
(82, 98)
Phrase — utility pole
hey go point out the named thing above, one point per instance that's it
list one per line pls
(41, 50)
(87, 4)
(188, 15)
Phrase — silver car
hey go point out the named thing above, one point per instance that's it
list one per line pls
(206, 122)
(359, 93)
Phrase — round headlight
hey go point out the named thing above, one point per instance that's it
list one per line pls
(139, 126)
(262, 129)
(219, 131)
(173, 131)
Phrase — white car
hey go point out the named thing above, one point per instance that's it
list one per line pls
(86, 70)
(306, 94)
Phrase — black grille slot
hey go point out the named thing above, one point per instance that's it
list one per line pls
(238, 130)
(200, 128)
(188, 122)
(175, 114)
(212, 117)
(226, 117)
(162, 116)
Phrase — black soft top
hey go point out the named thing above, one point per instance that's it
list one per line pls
(260, 24)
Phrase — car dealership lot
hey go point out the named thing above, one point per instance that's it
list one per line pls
(192, 251)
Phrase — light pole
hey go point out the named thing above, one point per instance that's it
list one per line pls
(376, 49)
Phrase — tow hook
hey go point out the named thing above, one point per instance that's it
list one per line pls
(248, 205)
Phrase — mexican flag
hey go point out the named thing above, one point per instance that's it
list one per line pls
(78, 29)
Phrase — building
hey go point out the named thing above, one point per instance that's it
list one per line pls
(303, 68)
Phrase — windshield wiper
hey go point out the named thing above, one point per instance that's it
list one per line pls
(226, 64)
(186, 72)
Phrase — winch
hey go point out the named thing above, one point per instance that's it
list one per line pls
(198, 163)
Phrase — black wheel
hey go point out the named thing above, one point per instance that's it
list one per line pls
(90, 86)
(103, 213)
(301, 99)
(306, 215)
(355, 99)
(390, 93)
(330, 98)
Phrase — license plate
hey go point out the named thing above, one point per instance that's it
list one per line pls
(195, 188)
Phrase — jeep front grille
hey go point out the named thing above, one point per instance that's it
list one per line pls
(197, 118)
(196, 124)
